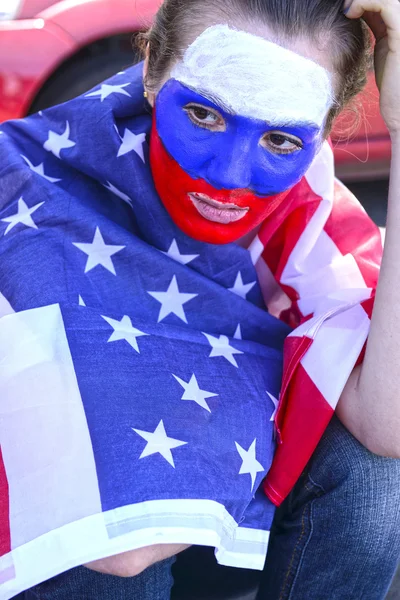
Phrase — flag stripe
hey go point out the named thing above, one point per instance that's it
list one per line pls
(202, 522)
(5, 540)
(50, 462)
(306, 416)
(350, 329)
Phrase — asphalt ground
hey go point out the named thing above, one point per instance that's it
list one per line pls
(373, 196)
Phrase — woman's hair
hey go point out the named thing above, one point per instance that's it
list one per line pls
(322, 21)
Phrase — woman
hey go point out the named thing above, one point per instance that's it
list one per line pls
(240, 115)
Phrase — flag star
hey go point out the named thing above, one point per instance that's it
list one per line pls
(250, 464)
(109, 186)
(238, 333)
(172, 301)
(174, 253)
(99, 253)
(193, 392)
(81, 301)
(240, 288)
(124, 330)
(57, 142)
(23, 216)
(39, 170)
(159, 443)
(106, 90)
(132, 141)
(275, 403)
(221, 347)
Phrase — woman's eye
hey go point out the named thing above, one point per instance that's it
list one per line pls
(281, 143)
(205, 117)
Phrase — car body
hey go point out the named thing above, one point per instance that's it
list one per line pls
(53, 50)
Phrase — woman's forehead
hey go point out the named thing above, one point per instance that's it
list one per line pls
(256, 78)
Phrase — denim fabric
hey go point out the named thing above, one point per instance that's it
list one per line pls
(337, 536)
(154, 583)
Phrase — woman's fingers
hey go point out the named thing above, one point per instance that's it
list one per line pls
(378, 14)
(383, 17)
(376, 24)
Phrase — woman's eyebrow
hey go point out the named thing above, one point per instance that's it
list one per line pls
(223, 105)
(306, 125)
(217, 101)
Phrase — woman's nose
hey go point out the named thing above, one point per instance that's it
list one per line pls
(231, 167)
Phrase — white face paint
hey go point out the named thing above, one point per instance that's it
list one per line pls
(256, 78)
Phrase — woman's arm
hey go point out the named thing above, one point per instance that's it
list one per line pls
(370, 403)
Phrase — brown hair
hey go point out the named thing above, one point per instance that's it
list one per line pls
(322, 21)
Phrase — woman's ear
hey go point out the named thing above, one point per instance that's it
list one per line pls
(149, 95)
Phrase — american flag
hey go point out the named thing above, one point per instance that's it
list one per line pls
(140, 370)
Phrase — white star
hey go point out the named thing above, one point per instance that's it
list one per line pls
(172, 301)
(81, 301)
(275, 403)
(240, 288)
(109, 186)
(159, 443)
(39, 169)
(250, 464)
(193, 392)
(221, 347)
(130, 142)
(57, 142)
(99, 253)
(174, 253)
(238, 333)
(23, 216)
(124, 330)
(106, 90)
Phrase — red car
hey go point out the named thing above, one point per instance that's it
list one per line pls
(51, 51)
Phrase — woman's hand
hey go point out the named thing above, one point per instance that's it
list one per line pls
(383, 18)
(131, 564)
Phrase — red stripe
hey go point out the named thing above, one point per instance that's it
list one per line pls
(5, 536)
(294, 349)
(306, 417)
(353, 232)
(280, 234)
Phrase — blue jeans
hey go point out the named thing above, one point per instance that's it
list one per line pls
(336, 537)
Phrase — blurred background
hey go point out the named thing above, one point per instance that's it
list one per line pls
(51, 51)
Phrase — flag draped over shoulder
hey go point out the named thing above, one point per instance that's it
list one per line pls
(318, 264)
(140, 370)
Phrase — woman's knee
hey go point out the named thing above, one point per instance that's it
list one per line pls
(361, 489)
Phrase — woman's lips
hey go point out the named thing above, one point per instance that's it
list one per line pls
(219, 212)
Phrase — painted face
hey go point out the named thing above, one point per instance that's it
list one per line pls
(235, 127)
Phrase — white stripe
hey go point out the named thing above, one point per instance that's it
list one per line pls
(321, 174)
(204, 522)
(256, 249)
(316, 268)
(44, 436)
(274, 297)
(5, 307)
(339, 341)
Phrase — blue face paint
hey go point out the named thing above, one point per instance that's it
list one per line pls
(234, 158)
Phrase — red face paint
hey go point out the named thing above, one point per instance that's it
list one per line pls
(241, 210)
